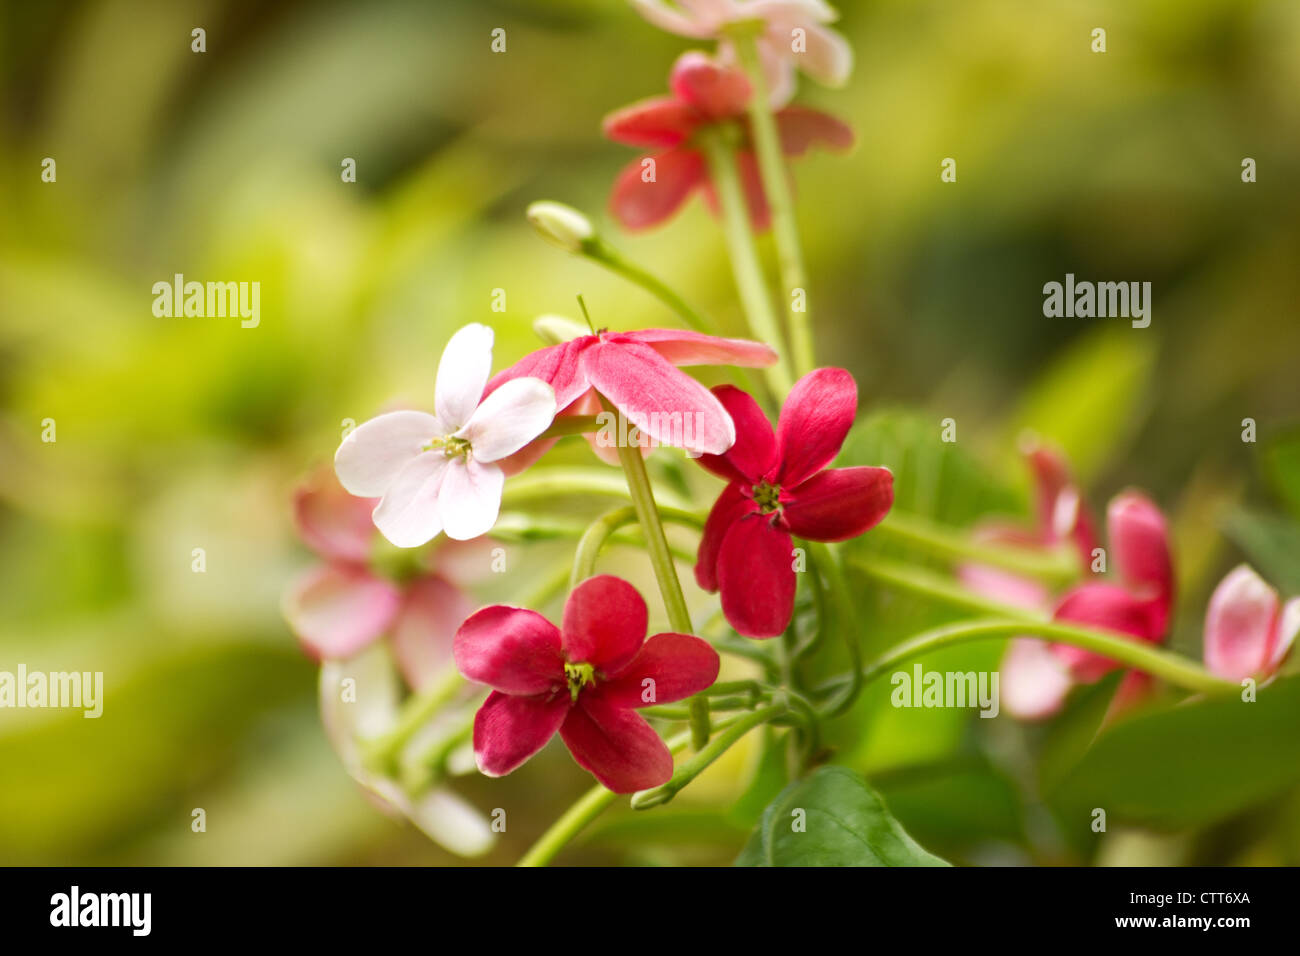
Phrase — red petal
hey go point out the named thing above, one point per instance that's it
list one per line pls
(508, 729)
(1106, 607)
(425, 629)
(337, 609)
(716, 91)
(655, 123)
(638, 204)
(674, 665)
(617, 746)
(840, 503)
(559, 366)
(604, 623)
(667, 404)
(801, 129)
(511, 649)
(1139, 544)
(682, 347)
(756, 577)
(731, 505)
(754, 455)
(815, 420)
(333, 523)
(1062, 512)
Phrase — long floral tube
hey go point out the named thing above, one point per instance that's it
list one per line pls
(1175, 668)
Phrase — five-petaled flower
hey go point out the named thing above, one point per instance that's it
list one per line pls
(703, 94)
(790, 34)
(1248, 631)
(582, 679)
(779, 485)
(438, 472)
(636, 372)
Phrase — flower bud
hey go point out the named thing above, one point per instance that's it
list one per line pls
(560, 225)
(1246, 632)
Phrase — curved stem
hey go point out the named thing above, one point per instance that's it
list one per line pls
(1172, 667)
(593, 539)
(1057, 566)
(415, 713)
(776, 187)
(599, 251)
(565, 425)
(745, 267)
(826, 563)
(937, 587)
(552, 482)
(588, 807)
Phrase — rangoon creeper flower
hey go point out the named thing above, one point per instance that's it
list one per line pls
(704, 94)
(636, 372)
(1248, 631)
(339, 608)
(792, 34)
(582, 680)
(438, 472)
(780, 485)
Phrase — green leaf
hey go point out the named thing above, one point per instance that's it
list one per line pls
(1281, 461)
(831, 818)
(1272, 543)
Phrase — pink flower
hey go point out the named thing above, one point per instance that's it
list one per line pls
(436, 473)
(703, 94)
(779, 485)
(794, 36)
(583, 680)
(1248, 631)
(636, 372)
(340, 607)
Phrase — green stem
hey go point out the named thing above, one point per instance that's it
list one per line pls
(589, 545)
(566, 425)
(661, 559)
(548, 483)
(843, 615)
(690, 769)
(933, 586)
(776, 186)
(1057, 566)
(745, 267)
(416, 711)
(1174, 668)
(599, 251)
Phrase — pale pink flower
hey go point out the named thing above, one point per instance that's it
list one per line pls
(439, 472)
(1248, 630)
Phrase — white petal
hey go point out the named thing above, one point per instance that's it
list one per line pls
(371, 706)
(683, 24)
(1288, 627)
(1034, 683)
(470, 498)
(462, 373)
(451, 822)
(510, 418)
(408, 514)
(829, 59)
(372, 455)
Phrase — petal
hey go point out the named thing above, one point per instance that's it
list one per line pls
(1034, 681)
(669, 667)
(336, 610)
(756, 577)
(801, 129)
(509, 418)
(617, 746)
(373, 454)
(556, 365)
(754, 455)
(1241, 625)
(424, 631)
(508, 729)
(682, 347)
(675, 21)
(470, 498)
(511, 649)
(827, 57)
(840, 503)
(1106, 607)
(668, 405)
(730, 507)
(639, 204)
(716, 91)
(1139, 544)
(654, 123)
(1004, 586)
(463, 371)
(334, 523)
(1287, 629)
(451, 822)
(604, 623)
(1061, 509)
(796, 12)
(408, 515)
(815, 420)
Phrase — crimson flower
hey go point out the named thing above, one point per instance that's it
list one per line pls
(582, 679)
(778, 486)
(637, 372)
(703, 93)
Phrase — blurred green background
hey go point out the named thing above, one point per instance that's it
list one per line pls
(174, 434)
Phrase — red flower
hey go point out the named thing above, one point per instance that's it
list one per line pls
(779, 486)
(637, 372)
(583, 680)
(703, 94)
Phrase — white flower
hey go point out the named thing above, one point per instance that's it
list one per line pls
(436, 472)
(794, 36)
